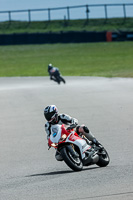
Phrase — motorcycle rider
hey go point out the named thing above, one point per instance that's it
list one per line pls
(53, 117)
(54, 74)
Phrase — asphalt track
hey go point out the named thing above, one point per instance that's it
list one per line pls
(28, 171)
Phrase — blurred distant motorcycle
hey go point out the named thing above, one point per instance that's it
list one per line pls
(55, 74)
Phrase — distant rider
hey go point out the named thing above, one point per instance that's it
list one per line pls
(53, 117)
(54, 74)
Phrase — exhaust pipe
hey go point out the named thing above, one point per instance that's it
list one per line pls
(95, 159)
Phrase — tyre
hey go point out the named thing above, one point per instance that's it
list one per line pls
(74, 163)
(103, 159)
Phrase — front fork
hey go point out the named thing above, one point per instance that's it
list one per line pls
(71, 149)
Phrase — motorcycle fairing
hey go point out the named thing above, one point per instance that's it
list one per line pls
(81, 143)
(55, 133)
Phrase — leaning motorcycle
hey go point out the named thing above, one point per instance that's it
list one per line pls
(76, 151)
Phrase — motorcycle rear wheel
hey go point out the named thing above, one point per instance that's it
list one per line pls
(74, 163)
(104, 159)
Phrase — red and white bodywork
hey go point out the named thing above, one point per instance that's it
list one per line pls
(60, 135)
(74, 150)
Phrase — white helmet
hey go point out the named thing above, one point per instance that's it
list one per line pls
(51, 114)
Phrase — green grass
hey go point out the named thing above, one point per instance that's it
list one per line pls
(114, 59)
(118, 24)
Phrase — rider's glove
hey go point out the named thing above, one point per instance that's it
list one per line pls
(74, 121)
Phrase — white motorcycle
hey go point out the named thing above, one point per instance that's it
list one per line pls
(76, 151)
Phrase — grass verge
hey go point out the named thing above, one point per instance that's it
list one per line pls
(84, 59)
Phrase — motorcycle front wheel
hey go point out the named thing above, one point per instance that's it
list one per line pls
(74, 163)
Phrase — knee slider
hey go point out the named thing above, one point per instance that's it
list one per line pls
(86, 130)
